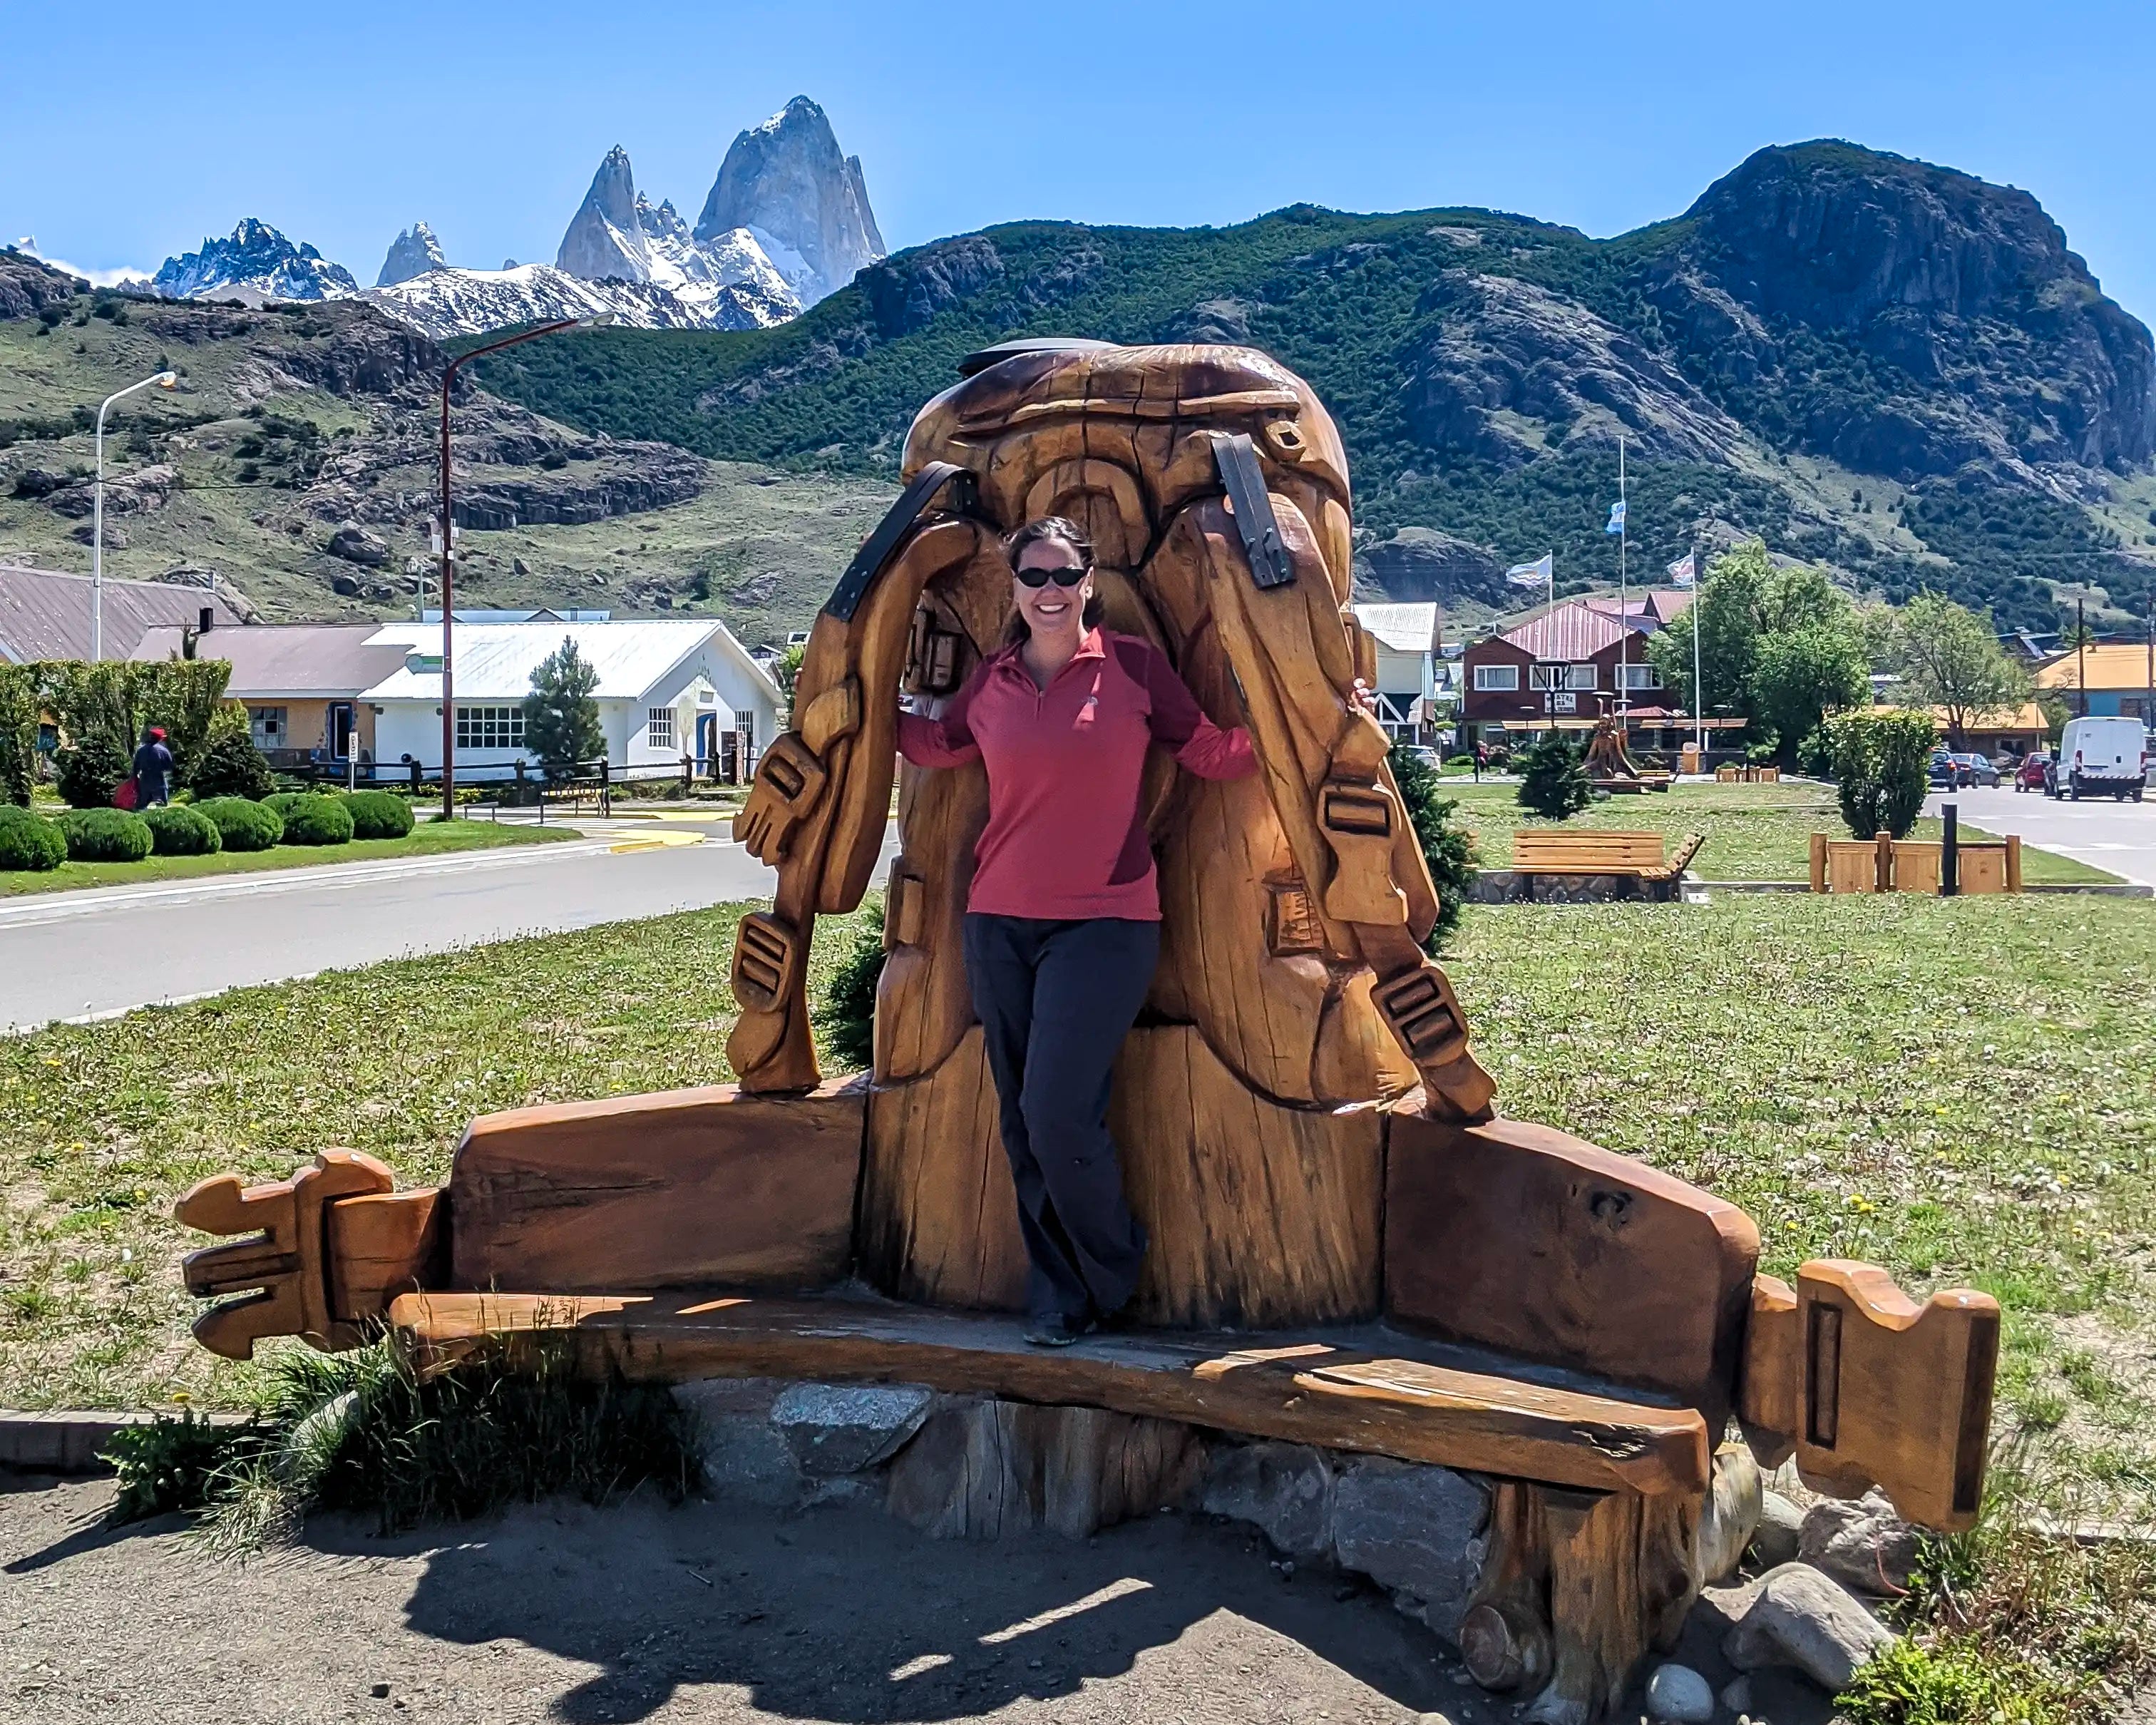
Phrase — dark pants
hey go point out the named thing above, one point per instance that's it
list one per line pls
(1055, 1000)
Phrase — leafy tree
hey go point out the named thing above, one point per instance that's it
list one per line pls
(18, 734)
(230, 765)
(1949, 657)
(1448, 849)
(785, 670)
(1801, 674)
(1879, 761)
(90, 770)
(1554, 781)
(561, 719)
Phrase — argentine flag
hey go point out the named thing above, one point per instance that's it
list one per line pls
(1616, 518)
(1534, 574)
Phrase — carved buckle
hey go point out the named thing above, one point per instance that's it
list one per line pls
(1421, 1013)
(764, 951)
(789, 778)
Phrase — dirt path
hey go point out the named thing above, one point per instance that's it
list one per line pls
(707, 1612)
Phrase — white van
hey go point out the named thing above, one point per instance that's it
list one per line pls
(2099, 756)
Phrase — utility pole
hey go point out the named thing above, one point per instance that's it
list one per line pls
(163, 380)
(448, 545)
(2081, 654)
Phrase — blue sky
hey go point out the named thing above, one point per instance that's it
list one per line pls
(129, 130)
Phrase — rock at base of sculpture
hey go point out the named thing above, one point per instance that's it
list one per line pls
(1799, 1617)
(979, 1468)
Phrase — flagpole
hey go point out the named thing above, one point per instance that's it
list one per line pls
(1698, 722)
(1625, 640)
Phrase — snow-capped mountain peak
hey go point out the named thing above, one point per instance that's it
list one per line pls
(788, 182)
(414, 252)
(257, 262)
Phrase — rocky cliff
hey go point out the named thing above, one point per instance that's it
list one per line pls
(786, 181)
(412, 253)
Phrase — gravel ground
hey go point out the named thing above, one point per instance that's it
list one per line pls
(705, 1613)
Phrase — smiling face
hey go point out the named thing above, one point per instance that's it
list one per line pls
(1053, 612)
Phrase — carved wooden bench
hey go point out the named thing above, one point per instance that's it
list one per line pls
(1587, 850)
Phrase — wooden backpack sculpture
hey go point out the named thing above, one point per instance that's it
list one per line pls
(1347, 1249)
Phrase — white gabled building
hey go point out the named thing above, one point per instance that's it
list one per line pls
(667, 687)
(1409, 673)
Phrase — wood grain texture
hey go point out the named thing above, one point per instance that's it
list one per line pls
(1770, 1391)
(1331, 1390)
(1896, 1394)
(995, 1468)
(938, 1213)
(383, 1244)
(1257, 1213)
(713, 1185)
(1524, 1239)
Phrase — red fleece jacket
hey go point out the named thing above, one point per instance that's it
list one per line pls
(1065, 838)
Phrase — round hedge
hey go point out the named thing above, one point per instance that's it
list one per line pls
(182, 831)
(106, 835)
(310, 819)
(242, 825)
(29, 841)
(378, 814)
(90, 769)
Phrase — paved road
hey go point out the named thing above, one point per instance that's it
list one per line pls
(97, 953)
(2120, 837)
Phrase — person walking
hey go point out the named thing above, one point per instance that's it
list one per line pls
(1062, 926)
(1481, 759)
(152, 768)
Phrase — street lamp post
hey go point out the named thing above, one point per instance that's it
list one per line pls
(449, 538)
(163, 380)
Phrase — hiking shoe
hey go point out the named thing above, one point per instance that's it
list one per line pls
(1057, 1331)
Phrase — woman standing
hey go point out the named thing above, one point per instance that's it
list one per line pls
(1063, 922)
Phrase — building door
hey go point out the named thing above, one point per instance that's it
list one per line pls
(342, 721)
(707, 732)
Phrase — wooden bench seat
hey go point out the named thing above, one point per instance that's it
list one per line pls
(1367, 1388)
(1586, 851)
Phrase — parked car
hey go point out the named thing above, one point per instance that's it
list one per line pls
(2098, 756)
(1978, 770)
(2028, 775)
(1945, 770)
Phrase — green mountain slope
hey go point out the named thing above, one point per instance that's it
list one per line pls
(1886, 365)
(297, 460)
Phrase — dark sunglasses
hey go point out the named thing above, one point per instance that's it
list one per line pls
(1067, 575)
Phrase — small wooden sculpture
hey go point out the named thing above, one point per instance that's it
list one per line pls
(1611, 768)
(1347, 1248)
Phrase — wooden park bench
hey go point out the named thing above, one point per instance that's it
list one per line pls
(1346, 1247)
(1587, 850)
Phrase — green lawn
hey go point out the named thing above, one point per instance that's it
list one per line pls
(425, 840)
(1754, 832)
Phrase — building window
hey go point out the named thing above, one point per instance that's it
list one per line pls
(1579, 676)
(266, 725)
(1640, 676)
(1495, 678)
(659, 728)
(1546, 676)
(490, 727)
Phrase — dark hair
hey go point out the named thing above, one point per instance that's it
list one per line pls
(1049, 526)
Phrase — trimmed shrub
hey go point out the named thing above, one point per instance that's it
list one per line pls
(106, 835)
(378, 814)
(1554, 781)
(1447, 848)
(182, 832)
(846, 1015)
(90, 769)
(310, 818)
(29, 841)
(1880, 756)
(242, 825)
(231, 766)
